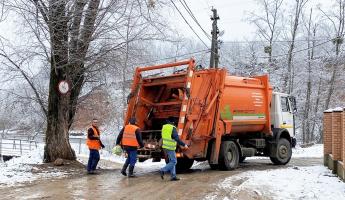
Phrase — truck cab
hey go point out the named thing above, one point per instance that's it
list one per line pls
(283, 108)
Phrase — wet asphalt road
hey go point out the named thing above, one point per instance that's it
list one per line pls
(110, 184)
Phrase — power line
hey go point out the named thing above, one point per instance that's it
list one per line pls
(189, 11)
(188, 24)
(194, 18)
(167, 58)
(297, 51)
(277, 41)
(320, 44)
(186, 7)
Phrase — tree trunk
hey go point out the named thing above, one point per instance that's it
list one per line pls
(67, 63)
(289, 77)
(316, 109)
(338, 42)
(331, 85)
(306, 115)
(125, 66)
(57, 136)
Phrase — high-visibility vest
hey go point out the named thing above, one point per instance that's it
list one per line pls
(94, 144)
(168, 142)
(129, 138)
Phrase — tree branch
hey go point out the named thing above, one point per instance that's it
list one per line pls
(26, 77)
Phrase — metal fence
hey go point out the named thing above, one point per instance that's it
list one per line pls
(16, 147)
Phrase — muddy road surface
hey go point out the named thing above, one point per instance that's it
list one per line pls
(197, 183)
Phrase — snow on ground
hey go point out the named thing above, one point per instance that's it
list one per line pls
(19, 170)
(315, 151)
(106, 155)
(306, 183)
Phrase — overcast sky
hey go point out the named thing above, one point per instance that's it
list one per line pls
(232, 13)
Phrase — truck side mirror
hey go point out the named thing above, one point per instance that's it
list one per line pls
(293, 104)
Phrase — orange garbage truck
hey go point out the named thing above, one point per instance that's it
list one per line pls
(222, 118)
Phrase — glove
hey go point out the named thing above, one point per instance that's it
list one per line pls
(185, 147)
(102, 145)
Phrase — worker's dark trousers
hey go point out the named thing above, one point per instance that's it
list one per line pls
(132, 156)
(171, 166)
(93, 160)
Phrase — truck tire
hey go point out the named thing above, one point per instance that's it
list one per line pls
(242, 158)
(228, 156)
(184, 164)
(283, 154)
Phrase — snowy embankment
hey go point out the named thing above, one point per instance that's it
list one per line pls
(309, 183)
(20, 170)
(23, 170)
(306, 183)
(315, 151)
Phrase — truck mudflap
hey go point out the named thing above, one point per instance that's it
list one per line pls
(293, 142)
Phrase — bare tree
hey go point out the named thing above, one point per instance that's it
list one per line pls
(267, 23)
(75, 37)
(289, 77)
(306, 121)
(337, 21)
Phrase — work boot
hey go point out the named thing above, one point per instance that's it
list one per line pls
(130, 172)
(175, 179)
(92, 172)
(124, 168)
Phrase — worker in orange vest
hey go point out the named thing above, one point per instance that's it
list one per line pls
(94, 143)
(130, 139)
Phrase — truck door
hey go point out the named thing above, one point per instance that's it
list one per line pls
(287, 115)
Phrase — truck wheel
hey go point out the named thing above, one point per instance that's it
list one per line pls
(184, 164)
(228, 156)
(284, 152)
(242, 158)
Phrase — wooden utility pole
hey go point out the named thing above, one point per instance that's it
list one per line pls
(214, 60)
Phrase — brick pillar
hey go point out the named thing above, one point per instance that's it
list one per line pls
(343, 137)
(336, 134)
(327, 132)
(342, 131)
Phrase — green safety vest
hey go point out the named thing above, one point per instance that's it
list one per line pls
(168, 142)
